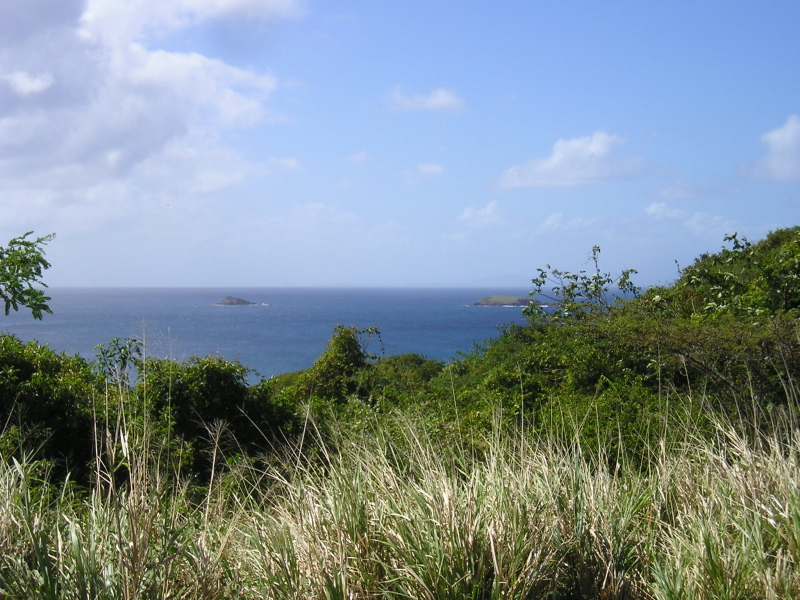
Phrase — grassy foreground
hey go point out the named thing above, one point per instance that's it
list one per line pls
(401, 515)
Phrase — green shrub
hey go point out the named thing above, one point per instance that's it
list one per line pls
(404, 377)
(341, 371)
(746, 279)
(50, 400)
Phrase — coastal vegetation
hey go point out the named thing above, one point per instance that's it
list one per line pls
(624, 443)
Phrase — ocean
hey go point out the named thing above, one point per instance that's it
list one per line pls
(285, 330)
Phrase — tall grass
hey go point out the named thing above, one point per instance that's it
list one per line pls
(395, 513)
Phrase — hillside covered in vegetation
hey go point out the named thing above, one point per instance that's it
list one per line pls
(622, 444)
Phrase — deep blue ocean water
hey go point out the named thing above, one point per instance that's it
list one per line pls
(285, 331)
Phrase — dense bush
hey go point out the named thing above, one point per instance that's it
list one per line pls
(339, 373)
(747, 280)
(49, 403)
(617, 367)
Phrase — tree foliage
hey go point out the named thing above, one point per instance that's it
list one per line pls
(340, 372)
(22, 263)
(746, 279)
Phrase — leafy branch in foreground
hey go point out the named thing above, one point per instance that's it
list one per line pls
(577, 296)
(21, 265)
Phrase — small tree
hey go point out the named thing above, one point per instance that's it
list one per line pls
(575, 297)
(335, 374)
(21, 265)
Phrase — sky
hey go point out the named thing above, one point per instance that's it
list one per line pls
(399, 143)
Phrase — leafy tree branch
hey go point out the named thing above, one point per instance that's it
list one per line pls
(578, 296)
(21, 265)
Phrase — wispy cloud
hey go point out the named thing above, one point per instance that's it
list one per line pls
(423, 172)
(574, 162)
(699, 224)
(123, 21)
(661, 211)
(704, 224)
(26, 84)
(488, 216)
(557, 222)
(677, 190)
(430, 169)
(441, 99)
(358, 157)
(288, 162)
(782, 161)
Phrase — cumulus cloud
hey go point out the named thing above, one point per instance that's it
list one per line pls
(488, 216)
(440, 99)
(88, 102)
(574, 162)
(782, 161)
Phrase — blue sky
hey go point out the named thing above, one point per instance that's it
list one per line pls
(354, 143)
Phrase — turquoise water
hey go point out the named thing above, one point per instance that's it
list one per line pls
(286, 330)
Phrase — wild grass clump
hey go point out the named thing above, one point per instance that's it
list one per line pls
(143, 538)
(396, 513)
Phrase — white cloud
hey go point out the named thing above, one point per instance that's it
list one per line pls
(661, 211)
(430, 169)
(234, 95)
(26, 84)
(122, 119)
(573, 162)
(440, 99)
(782, 162)
(488, 216)
(213, 168)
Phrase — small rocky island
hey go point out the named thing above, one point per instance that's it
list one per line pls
(504, 301)
(231, 301)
